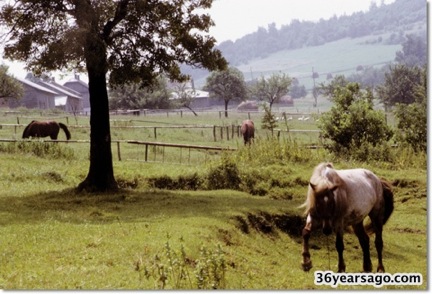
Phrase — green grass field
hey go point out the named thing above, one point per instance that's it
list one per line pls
(144, 237)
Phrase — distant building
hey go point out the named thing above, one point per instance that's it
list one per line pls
(35, 96)
(67, 99)
(248, 105)
(81, 87)
(44, 94)
(286, 100)
(199, 98)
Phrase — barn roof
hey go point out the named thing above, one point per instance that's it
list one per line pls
(36, 86)
(62, 90)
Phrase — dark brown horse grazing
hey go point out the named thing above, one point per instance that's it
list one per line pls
(248, 130)
(45, 129)
(340, 198)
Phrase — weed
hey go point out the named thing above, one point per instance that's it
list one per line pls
(173, 269)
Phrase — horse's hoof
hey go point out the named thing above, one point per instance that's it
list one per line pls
(380, 269)
(307, 265)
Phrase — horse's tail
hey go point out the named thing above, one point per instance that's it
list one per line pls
(27, 130)
(388, 200)
(65, 129)
(388, 205)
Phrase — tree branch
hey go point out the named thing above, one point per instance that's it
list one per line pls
(120, 14)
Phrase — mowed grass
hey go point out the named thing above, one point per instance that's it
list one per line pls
(53, 238)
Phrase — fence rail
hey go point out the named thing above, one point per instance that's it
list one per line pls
(134, 142)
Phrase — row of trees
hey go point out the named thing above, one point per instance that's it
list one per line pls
(227, 85)
(398, 17)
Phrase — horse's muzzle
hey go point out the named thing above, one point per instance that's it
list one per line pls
(327, 229)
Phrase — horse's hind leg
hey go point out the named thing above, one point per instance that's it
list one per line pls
(364, 243)
(379, 244)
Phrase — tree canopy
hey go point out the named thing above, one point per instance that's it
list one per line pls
(271, 89)
(133, 96)
(399, 85)
(9, 86)
(126, 40)
(228, 84)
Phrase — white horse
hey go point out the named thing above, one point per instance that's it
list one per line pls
(340, 198)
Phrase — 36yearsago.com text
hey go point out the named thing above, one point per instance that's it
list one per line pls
(377, 280)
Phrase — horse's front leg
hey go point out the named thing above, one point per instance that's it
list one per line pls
(340, 248)
(307, 263)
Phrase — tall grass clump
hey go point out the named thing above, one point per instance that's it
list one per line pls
(39, 148)
(274, 151)
(175, 269)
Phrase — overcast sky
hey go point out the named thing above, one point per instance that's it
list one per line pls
(236, 18)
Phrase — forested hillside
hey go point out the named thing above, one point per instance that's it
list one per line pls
(383, 24)
(395, 18)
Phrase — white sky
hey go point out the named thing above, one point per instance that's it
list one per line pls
(236, 18)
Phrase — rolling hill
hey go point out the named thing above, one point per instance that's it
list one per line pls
(334, 46)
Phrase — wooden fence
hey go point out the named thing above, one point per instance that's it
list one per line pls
(146, 145)
(219, 132)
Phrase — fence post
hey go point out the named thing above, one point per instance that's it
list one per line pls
(214, 133)
(146, 153)
(227, 132)
(155, 133)
(118, 151)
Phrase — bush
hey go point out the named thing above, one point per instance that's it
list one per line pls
(224, 176)
(352, 124)
(186, 182)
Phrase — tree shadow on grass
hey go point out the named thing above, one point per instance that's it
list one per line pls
(143, 205)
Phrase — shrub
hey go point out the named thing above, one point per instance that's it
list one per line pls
(185, 182)
(352, 123)
(224, 176)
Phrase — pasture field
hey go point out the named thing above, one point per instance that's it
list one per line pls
(148, 237)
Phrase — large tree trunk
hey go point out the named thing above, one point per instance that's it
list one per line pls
(101, 172)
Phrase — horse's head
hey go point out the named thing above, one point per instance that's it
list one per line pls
(324, 208)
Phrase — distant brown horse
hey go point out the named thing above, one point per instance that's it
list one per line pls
(248, 131)
(45, 129)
